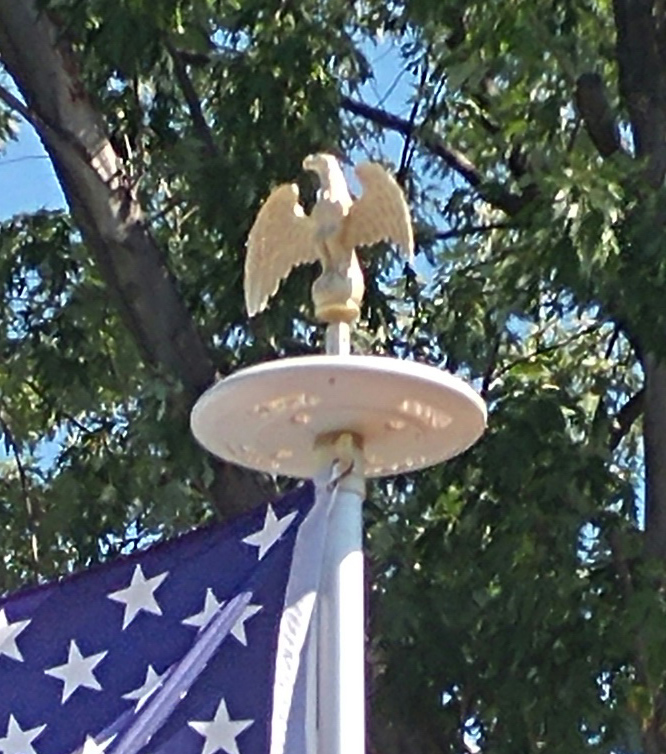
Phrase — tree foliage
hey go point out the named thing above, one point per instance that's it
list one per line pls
(517, 593)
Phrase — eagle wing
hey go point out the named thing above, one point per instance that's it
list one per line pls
(381, 213)
(282, 237)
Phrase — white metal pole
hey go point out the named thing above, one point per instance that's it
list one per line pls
(341, 614)
(338, 338)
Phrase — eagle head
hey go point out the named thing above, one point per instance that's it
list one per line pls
(320, 163)
(331, 179)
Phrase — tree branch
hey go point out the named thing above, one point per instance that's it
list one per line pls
(193, 104)
(596, 112)
(59, 411)
(407, 147)
(490, 367)
(469, 230)
(545, 350)
(39, 121)
(625, 418)
(494, 194)
(30, 505)
(15, 104)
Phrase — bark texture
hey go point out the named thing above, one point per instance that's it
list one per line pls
(597, 114)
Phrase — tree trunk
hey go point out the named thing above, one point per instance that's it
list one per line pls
(654, 433)
(640, 48)
(641, 55)
(102, 202)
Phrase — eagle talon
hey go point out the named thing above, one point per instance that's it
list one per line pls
(337, 298)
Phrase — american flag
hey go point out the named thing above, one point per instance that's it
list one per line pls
(193, 646)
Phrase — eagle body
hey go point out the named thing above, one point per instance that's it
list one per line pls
(330, 211)
(283, 236)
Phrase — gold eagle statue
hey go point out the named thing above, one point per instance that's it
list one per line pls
(283, 236)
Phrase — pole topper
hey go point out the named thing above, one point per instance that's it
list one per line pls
(283, 236)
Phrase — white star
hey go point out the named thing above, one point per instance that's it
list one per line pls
(272, 530)
(139, 595)
(211, 606)
(8, 633)
(239, 627)
(19, 741)
(92, 747)
(221, 732)
(143, 693)
(77, 671)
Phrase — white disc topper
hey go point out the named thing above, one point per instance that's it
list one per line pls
(407, 415)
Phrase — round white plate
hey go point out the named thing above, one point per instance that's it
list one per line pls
(409, 415)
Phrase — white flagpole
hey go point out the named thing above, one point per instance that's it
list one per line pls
(341, 614)
(338, 339)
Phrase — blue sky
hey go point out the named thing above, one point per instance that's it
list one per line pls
(27, 181)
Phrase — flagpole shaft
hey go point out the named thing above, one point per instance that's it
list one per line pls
(338, 339)
(341, 683)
